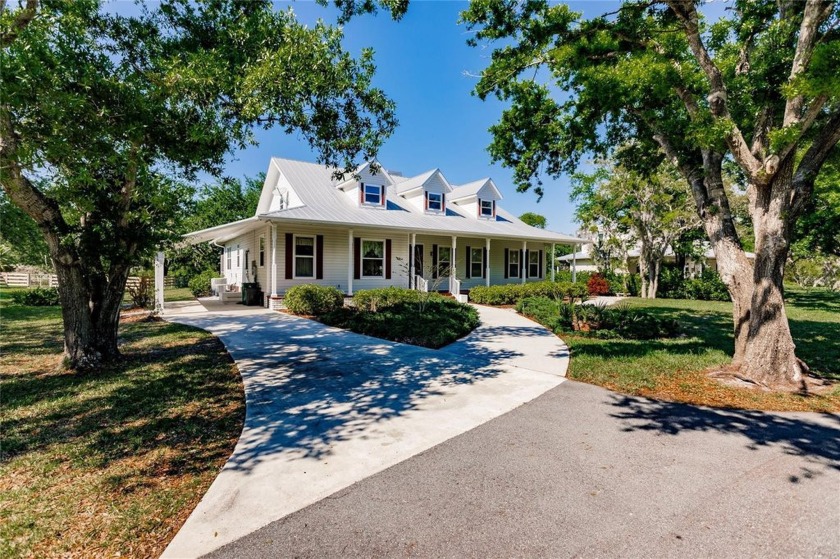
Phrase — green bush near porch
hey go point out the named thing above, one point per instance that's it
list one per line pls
(313, 300)
(512, 293)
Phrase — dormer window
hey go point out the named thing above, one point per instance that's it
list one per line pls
(486, 208)
(373, 195)
(434, 201)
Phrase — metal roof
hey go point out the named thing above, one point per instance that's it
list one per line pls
(324, 204)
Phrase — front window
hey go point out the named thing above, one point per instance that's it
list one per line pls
(229, 251)
(373, 259)
(513, 263)
(476, 262)
(434, 201)
(238, 258)
(444, 260)
(304, 257)
(262, 251)
(373, 194)
(487, 208)
(534, 264)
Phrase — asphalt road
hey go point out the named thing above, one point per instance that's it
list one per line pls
(583, 472)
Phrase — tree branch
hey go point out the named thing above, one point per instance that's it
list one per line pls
(22, 19)
(686, 11)
(803, 179)
(816, 12)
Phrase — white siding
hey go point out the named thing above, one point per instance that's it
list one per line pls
(248, 243)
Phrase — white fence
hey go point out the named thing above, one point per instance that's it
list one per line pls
(23, 279)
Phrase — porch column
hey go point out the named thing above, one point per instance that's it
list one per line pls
(350, 263)
(411, 271)
(523, 265)
(553, 252)
(487, 264)
(273, 261)
(574, 263)
(159, 261)
(453, 269)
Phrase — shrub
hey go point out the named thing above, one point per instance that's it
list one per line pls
(512, 293)
(382, 298)
(313, 300)
(601, 321)
(708, 287)
(38, 297)
(597, 285)
(566, 276)
(141, 293)
(446, 321)
(200, 284)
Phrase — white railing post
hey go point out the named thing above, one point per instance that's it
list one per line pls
(159, 262)
(553, 251)
(351, 263)
(487, 264)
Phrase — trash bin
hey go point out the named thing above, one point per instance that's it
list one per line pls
(245, 287)
(251, 294)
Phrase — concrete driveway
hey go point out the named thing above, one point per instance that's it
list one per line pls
(326, 408)
(584, 472)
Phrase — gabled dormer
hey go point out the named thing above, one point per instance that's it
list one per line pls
(427, 192)
(277, 193)
(368, 186)
(477, 198)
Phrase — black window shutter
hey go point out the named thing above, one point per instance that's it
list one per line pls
(319, 257)
(485, 264)
(357, 258)
(469, 263)
(507, 263)
(387, 258)
(434, 261)
(382, 194)
(290, 240)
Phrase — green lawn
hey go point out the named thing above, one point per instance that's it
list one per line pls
(109, 463)
(672, 368)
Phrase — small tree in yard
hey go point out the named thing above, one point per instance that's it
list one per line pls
(650, 210)
(106, 110)
(759, 86)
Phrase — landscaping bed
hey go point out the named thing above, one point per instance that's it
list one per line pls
(112, 463)
(668, 350)
(396, 314)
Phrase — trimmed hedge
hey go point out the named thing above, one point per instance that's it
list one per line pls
(384, 297)
(512, 293)
(312, 300)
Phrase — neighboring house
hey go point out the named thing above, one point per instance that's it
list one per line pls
(583, 261)
(378, 229)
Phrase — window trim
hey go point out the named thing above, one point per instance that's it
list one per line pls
(481, 208)
(429, 202)
(381, 190)
(238, 258)
(229, 258)
(261, 250)
(537, 264)
(511, 253)
(480, 273)
(295, 256)
(448, 262)
(362, 258)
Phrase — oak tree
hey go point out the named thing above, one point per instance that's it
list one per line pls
(104, 112)
(758, 86)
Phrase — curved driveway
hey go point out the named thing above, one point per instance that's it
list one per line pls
(326, 408)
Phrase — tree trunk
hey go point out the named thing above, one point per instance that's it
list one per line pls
(90, 311)
(769, 355)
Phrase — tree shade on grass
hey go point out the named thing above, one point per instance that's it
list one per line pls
(675, 369)
(97, 464)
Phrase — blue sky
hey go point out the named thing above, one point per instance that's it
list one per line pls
(424, 65)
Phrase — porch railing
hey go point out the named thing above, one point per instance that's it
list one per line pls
(421, 284)
(454, 285)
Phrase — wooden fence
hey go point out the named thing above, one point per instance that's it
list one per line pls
(22, 279)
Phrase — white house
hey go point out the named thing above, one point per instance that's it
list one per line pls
(378, 229)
